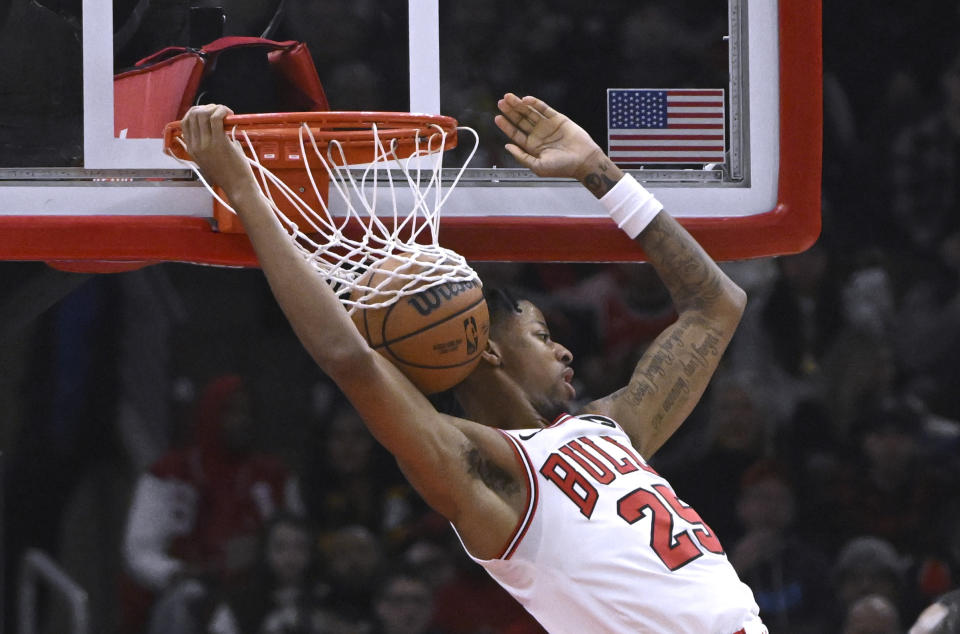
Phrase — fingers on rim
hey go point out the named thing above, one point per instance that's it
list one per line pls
(188, 127)
(217, 115)
(220, 112)
(191, 123)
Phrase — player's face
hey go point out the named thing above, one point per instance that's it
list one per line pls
(539, 365)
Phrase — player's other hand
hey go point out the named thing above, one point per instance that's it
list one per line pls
(219, 157)
(544, 140)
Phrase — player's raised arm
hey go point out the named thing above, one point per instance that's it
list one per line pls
(313, 310)
(442, 457)
(674, 371)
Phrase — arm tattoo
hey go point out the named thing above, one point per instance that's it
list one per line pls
(692, 278)
(496, 478)
(675, 369)
(597, 181)
(690, 357)
(677, 394)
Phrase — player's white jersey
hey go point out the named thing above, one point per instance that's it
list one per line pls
(606, 546)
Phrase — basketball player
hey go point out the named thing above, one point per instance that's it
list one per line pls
(562, 510)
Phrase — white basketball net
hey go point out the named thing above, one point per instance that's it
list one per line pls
(369, 194)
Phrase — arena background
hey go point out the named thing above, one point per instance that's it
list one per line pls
(840, 383)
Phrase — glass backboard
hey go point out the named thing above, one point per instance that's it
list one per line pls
(76, 191)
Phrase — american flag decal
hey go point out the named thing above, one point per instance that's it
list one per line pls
(676, 125)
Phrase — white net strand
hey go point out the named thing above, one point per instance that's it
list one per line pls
(411, 250)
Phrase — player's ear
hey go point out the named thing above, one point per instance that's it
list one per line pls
(491, 354)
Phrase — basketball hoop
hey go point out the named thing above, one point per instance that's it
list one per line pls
(301, 157)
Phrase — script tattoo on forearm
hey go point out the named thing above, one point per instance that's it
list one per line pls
(672, 365)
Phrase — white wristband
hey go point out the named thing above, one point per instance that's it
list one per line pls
(630, 205)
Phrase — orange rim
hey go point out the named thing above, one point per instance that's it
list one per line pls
(353, 130)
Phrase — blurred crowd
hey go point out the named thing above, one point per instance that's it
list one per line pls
(223, 538)
(825, 454)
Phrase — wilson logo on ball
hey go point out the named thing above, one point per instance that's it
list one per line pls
(434, 336)
(429, 300)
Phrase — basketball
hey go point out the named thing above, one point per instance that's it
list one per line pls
(434, 336)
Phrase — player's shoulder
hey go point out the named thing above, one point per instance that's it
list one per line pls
(600, 412)
(597, 419)
(580, 423)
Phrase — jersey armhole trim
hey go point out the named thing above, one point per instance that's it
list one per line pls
(533, 496)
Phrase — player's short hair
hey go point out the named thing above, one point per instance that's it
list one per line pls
(501, 303)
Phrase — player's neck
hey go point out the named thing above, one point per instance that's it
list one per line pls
(489, 397)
